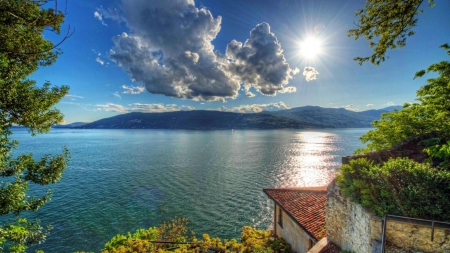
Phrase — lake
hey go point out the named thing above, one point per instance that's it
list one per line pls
(121, 180)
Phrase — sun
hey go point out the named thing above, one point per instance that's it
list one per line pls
(310, 48)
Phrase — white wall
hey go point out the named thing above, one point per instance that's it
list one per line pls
(291, 232)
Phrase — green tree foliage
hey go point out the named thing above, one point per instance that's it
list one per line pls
(386, 24)
(144, 241)
(428, 116)
(398, 187)
(23, 49)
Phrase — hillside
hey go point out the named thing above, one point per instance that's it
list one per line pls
(335, 117)
(298, 118)
(207, 120)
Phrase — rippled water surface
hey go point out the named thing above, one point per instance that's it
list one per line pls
(121, 180)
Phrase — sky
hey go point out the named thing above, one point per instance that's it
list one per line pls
(231, 55)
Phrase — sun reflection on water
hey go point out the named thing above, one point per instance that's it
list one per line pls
(310, 160)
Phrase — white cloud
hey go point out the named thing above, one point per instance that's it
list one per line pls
(249, 94)
(170, 52)
(255, 108)
(133, 89)
(138, 107)
(369, 105)
(72, 96)
(110, 107)
(350, 107)
(99, 61)
(390, 103)
(98, 16)
(310, 73)
(117, 95)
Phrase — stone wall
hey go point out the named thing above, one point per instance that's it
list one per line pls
(354, 227)
(348, 224)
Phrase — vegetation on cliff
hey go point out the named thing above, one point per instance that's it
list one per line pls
(402, 186)
(429, 115)
(399, 187)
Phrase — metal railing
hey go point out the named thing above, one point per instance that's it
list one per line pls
(429, 223)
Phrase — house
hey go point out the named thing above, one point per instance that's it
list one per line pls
(299, 215)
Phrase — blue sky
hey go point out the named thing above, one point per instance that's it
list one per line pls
(155, 56)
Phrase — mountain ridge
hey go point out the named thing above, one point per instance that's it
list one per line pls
(307, 117)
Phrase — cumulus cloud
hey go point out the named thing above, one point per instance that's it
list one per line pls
(310, 73)
(98, 16)
(133, 89)
(169, 51)
(138, 107)
(260, 62)
(390, 103)
(255, 108)
(348, 106)
(369, 105)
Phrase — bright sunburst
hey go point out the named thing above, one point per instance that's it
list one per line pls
(310, 48)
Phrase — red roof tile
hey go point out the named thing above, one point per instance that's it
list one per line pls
(304, 205)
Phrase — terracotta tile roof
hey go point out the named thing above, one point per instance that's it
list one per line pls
(304, 205)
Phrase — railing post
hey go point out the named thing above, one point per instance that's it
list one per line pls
(383, 233)
(432, 230)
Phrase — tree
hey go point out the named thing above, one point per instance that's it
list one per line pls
(23, 49)
(429, 116)
(389, 21)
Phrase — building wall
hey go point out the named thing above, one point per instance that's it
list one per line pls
(291, 232)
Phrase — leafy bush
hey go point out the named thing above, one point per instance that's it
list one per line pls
(253, 240)
(399, 187)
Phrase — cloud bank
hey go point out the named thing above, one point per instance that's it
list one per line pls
(137, 107)
(133, 89)
(169, 51)
(255, 108)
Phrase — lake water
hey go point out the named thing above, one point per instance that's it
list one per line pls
(121, 180)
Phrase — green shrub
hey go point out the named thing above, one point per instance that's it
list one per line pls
(252, 240)
(398, 187)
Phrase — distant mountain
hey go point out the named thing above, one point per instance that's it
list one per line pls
(207, 120)
(377, 113)
(72, 125)
(297, 118)
(335, 117)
